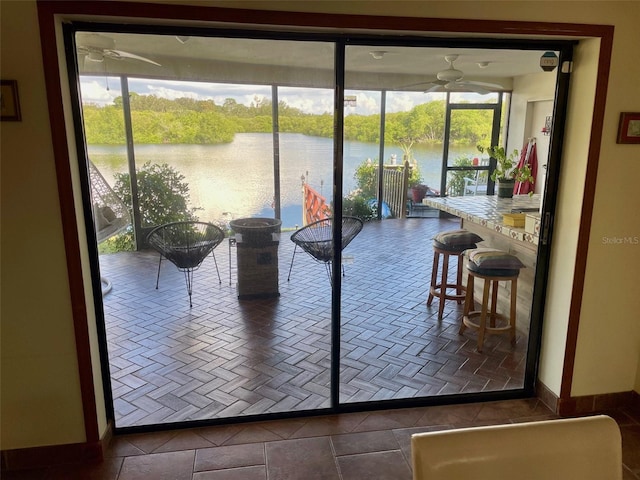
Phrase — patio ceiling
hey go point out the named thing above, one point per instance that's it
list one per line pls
(298, 63)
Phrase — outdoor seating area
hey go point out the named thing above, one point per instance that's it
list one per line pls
(316, 239)
(225, 357)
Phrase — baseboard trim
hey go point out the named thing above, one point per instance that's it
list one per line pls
(587, 404)
(52, 455)
(546, 396)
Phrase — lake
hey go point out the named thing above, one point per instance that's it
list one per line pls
(235, 180)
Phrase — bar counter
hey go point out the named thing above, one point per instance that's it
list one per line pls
(487, 211)
(482, 214)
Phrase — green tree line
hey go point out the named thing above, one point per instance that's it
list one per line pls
(157, 120)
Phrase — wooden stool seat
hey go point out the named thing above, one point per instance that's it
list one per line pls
(447, 244)
(489, 321)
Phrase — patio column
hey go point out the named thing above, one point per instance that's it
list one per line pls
(131, 161)
(383, 111)
(276, 151)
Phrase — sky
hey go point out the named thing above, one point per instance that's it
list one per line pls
(102, 91)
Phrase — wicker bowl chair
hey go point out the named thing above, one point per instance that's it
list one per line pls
(317, 240)
(185, 244)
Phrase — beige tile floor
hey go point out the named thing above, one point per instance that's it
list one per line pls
(354, 446)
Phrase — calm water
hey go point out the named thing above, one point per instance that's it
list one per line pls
(235, 180)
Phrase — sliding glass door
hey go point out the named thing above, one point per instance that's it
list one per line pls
(234, 139)
(316, 159)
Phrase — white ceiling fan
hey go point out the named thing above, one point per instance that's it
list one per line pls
(453, 79)
(96, 48)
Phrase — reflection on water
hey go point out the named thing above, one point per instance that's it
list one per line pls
(236, 179)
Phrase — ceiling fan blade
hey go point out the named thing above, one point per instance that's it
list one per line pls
(119, 54)
(468, 87)
(436, 87)
(433, 81)
(477, 89)
(487, 84)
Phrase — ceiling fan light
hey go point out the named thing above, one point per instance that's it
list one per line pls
(95, 56)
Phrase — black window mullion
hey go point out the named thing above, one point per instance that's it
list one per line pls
(336, 279)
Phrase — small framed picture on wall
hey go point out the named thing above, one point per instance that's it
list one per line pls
(629, 127)
(9, 101)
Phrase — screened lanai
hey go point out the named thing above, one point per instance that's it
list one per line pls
(240, 122)
(377, 80)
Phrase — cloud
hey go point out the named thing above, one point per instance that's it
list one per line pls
(172, 94)
(309, 100)
(218, 92)
(405, 101)
(367, 102)
(94, 90)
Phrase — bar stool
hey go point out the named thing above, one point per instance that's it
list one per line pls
(492, 266)
(449, 243)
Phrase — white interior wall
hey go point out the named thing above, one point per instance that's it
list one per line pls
(540, 110)
(528, 90)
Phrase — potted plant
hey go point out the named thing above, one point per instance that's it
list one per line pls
(417, 190)
(507, 172)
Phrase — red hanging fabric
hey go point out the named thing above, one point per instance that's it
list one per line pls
(529, 157)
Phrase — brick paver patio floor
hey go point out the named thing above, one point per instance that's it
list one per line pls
(226, 357)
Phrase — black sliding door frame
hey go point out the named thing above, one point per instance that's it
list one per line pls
(340, 43)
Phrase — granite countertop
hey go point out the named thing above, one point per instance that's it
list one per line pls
(487, 211)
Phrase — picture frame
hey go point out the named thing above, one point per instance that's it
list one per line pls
(629, 127)
(9, 101)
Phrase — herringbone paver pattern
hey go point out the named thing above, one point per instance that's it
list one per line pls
(225, 357)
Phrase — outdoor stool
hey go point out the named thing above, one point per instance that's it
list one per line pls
(492, 266)
(449, 243)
